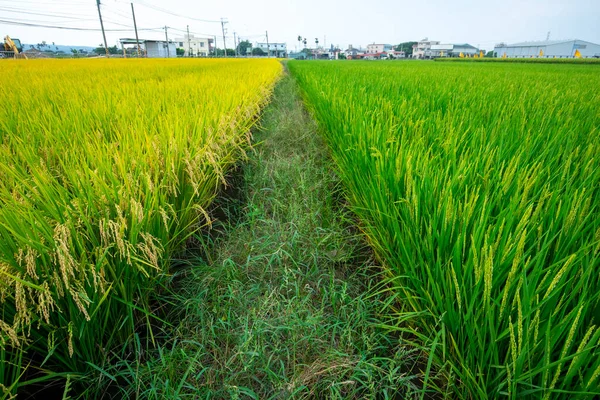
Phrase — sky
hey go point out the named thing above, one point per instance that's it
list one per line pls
(482, 23)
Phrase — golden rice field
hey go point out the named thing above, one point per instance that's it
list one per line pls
(107, 167)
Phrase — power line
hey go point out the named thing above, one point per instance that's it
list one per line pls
(194, 33)
(110, 10)
(53, 3)
(72, 28)
(35, 21)
(143, 3)
(21, 11)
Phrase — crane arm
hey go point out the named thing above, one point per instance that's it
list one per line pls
(10, 45)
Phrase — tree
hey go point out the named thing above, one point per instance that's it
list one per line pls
(230, 52)
(257, 51)
(299, 41)
(304, 41)
(406, 47)
(244, 46)
(179, 51)
(316, 42)
(341, 56)
(111, 50)
(491, 53)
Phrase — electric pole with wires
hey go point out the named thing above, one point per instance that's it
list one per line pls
(268, 49)
(235, 44)
(137, 39)
(189, 45)
(167, 39)
(102, 26)
(223, 22)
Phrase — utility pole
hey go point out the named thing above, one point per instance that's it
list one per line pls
(268, 48)
(167, 39)
(223, 22)
(102, 26)
(235, 44)
(137, 40)
(215, 46)
(189, 45)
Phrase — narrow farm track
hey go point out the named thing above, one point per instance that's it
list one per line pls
(278, 306)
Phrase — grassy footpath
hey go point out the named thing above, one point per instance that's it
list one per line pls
(278, 307)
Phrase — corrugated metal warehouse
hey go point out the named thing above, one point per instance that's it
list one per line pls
(548, 49)
(158, 49)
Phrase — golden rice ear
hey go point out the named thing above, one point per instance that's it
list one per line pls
(103, 178)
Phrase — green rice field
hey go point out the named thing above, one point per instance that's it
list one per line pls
(478, 187)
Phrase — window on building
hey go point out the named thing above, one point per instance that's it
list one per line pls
(180, 44)
(201, 44)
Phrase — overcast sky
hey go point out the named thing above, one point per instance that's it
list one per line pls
(356, 22)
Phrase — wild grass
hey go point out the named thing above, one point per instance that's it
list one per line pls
(278, 306)
(106, 169)
(478, 187)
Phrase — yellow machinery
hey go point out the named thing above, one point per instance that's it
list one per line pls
(13, 48)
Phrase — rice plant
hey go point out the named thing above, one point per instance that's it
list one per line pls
(106, 169)
(478, 186)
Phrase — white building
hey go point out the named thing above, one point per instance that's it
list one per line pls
(422, 47)
(379, 48)
(152, 48)
(450, 50)
(274, 49)
(394, 55)
(548, 49)
(194, 46)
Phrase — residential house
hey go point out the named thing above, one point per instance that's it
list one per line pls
(195, 46)
(353, 53)
(393, 55)
(379, 48)
(422, 47)
(274, 49)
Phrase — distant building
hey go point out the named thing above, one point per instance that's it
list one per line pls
(353, 53)
(194, 46)
(384, 55)
(396, 54)
(422, 47)
(274, 49)
(374, 56)
(450, 50)
(334, 53)
(153, 48)
(297, 55)
(548, 49)
(379, 48)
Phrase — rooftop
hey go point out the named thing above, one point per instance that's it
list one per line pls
(539, 43)
(134, 41)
